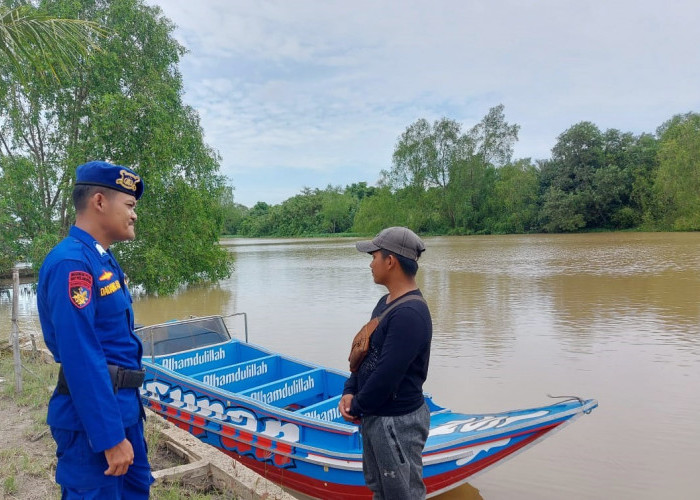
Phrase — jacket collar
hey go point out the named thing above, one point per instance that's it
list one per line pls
(89, 241)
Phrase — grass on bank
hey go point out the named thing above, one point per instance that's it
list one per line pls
(22, 467)
(30, 460)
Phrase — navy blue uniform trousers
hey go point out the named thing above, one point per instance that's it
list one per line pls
(80, 471)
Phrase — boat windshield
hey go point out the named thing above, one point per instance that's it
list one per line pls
(177, 336)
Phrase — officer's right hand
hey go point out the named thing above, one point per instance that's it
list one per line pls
(119, 458)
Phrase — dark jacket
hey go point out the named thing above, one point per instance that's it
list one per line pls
(390, 379)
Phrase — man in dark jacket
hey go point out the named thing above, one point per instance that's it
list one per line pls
(385, 394)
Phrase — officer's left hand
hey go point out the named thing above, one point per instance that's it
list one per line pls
(119, 458)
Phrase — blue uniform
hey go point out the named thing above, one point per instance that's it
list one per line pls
(88, 322)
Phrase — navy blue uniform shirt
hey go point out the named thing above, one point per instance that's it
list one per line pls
(390, 379)
(88, 322)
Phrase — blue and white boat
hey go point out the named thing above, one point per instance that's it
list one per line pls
(279, 415)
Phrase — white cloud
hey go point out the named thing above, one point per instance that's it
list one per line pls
(327, 86)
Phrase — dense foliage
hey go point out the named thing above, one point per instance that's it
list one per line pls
(122, 104)
(312, 212)
(445, 181)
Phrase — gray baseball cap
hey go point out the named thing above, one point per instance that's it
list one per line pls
(400, 240)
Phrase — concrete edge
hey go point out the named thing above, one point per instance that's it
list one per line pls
(208, 464)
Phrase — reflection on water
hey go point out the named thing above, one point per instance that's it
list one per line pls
(464, 492)
(194, 301)
(27, 318)
(608, 316)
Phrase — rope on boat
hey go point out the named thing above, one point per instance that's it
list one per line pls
(571, 398)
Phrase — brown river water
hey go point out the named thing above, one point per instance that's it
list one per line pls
(610, 316)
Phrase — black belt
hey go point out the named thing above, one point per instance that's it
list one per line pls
(122, 378)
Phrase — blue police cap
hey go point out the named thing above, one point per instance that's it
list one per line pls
(101, 173)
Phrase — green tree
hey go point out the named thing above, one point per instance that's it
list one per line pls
(337, 210)
(124, 105)
(514, 198)
(575, 157)
(494, 138)
(457, 168)
(412, 155)
(677, 182)
(607, 176)
(470, 188)
(562, 211)
(567, 179)
(299, 215)
(379, 211)
(611, 188)
(258, 221)
(490, 146)
(611, 183)
(10, 234)
(424, 157)
(425, 154)
(360, 190)
(644, 165)
(311, 212)
(234, 213)
(410, 207)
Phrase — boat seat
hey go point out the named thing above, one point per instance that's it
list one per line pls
(210, 358)
(243, 375)
(325, 410)
(297, 388)
(196, 360)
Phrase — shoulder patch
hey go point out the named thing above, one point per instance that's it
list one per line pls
(80, 288)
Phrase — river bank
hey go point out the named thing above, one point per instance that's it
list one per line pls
(184, 467)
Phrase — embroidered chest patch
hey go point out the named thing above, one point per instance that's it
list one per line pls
(80, 288)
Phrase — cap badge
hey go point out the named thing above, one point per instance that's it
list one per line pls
(128, 180)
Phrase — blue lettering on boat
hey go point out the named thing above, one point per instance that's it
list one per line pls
(240, 374)
(328, 415)
(288, 389)
(194, 360)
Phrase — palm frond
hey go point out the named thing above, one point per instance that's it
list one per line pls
(28, 38)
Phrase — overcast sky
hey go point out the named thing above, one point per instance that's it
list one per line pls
(298, 94)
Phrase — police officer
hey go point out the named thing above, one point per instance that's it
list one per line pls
(95, 413)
